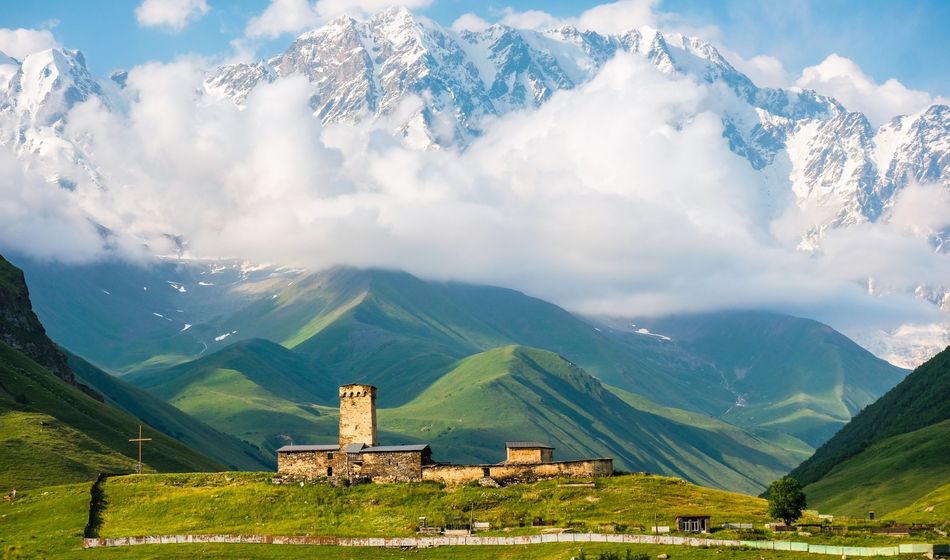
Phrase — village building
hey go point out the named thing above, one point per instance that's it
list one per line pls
(528, 452)
(356, 456)
(692, 523)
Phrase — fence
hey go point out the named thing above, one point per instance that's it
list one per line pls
(429, 542)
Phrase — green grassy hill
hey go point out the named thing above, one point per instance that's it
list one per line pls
(792, 375)
(53, 433)
(922, 399)
(889, 475)
(250, 504)
(255, 390)
(890, 455)
(123, 316)
(48, 522)
(933, 507)
(521, 393)
(55, 428)
(401, 333)
(507, 393)
(787, 383)
(156, 413)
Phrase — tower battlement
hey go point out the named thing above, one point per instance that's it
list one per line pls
(357, 415)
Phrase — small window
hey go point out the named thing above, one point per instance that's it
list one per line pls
(329, 456)
(486, 471)
(329, 471)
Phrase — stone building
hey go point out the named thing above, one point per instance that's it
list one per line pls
(528, 452)
(358, 457)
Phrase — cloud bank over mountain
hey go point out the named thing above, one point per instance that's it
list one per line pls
(622, 194)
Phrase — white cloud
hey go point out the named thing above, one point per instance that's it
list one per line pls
(844, 80)
(470, 22)
(173, 15)
(333, 8)
(40, 217)
(282, 16)
(529, 19)
(293, 16)
(763, 70)
(619, 16)
(621, 196)
(614, 17)
(19, 43)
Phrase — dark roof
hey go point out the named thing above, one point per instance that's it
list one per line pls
(693, 516)
(298, 448)
(354, 447)
(395, 448)
(526, 445)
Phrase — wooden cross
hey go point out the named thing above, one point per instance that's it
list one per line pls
(140, 439)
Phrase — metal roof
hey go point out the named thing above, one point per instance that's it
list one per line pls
(298, 448)
(395, 448)
(526, 445)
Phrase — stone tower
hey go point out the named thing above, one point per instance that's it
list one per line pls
(357, 415)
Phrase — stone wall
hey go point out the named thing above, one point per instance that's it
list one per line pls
(453, 474)
(310, 464)
(518, 472)
(392, 467)
(357, 415)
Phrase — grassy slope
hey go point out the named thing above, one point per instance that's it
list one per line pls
(48, 523)
(510, 393)
(400, 332)
(934, 507)
(226, 449)
(37, 450)
(891, 474)
(920, 400)
(249, 503)
(523, 393)
(25, 387)
(796, 375)
(255, 390)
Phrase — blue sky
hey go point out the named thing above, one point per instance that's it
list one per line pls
(905, 40)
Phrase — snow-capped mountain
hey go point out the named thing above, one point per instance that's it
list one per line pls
(35, 97)
(456, 83)
(835, 158)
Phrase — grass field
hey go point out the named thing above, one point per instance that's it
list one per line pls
(53, 433)
(48, 522)
(888, 476)
(249, 503)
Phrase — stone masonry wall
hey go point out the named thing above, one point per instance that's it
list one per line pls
(308, 463)
(392, 467)
(513, 473)
(357, 415)
(453, 474)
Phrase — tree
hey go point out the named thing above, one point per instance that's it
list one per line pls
(786, 500)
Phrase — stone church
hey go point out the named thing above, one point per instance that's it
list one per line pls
(358, 457)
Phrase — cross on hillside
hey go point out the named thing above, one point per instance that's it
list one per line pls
(140, 439)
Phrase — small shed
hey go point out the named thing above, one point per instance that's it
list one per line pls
(692, 523)
(528, 452)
